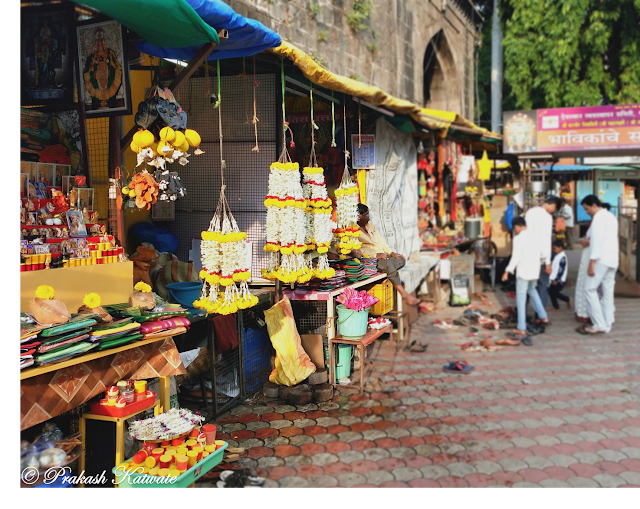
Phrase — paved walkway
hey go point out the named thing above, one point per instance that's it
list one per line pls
(564, 412)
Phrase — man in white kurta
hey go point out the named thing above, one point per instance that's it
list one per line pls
(603, 265)
(540, 225)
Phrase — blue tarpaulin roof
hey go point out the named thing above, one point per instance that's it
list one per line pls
(178, 29)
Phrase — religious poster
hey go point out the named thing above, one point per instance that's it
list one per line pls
(104, 70)
(47, 55)
(364, 151)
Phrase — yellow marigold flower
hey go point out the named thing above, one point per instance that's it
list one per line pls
(92, 300)
(142, 287)
(45, 292)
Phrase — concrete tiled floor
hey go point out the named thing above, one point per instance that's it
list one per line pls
(565, 412)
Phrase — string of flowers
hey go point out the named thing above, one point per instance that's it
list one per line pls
(167, 425)
(286, 223)
(223, 256)
(347, 232)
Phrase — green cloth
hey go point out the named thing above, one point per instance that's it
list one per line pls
(118, 342)
(67, 327)
(165, 23)
(63, 352)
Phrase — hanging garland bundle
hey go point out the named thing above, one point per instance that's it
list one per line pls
(318, 210)
(223, 255)
(286, 224)
(347, 233)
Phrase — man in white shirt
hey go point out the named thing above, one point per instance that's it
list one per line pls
(540, 225)
(566, 213)
(525, 263)
(603, 265)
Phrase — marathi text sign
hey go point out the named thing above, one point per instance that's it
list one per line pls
(592, 128)
(589, 128)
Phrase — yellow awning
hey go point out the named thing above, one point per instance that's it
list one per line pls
(435, 120)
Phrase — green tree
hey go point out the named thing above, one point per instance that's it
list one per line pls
(571, 52)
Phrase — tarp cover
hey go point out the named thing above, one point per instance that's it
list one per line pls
(177, 29)
(435, 120)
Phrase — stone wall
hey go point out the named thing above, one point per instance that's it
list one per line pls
(390, 51)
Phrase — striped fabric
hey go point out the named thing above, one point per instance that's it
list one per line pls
(160, 325)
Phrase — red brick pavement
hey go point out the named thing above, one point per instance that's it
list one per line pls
(565, 412)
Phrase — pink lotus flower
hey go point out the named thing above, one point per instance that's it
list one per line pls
(355, 300)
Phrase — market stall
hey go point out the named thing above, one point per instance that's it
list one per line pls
(92, 331)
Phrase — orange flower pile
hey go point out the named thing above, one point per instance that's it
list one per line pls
(145, 188)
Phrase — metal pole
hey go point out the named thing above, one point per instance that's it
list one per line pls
(496, 70)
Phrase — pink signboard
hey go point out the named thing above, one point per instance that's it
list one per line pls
(589, 128)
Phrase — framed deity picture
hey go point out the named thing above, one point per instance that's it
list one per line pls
(77, 228)
(103, 67)
(47, 53)
(42, 192)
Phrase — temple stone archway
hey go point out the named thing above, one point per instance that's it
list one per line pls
(441, 87)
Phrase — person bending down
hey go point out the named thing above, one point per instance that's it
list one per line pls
(525, 260)
(558, 277)
(374, 245)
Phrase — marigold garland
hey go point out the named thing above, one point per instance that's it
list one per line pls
(346, 235)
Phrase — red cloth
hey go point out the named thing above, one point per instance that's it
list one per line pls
(226, 333)
(169, 323)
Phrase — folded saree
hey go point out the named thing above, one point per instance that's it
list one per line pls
(165, 333)
(68, 351)
(67, 327)
(124, 328)
(160, 325)
(105, 345)
(62, 344)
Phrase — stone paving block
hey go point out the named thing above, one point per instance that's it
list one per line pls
(631, 431)
(562, 460)
(512, 464)
(523, 442)
(554, 483)
(270, 461)
(546, 440)
(299, 440)
(376, 454)
(349, 456)
(588, 458)
(631, 477)
(608, 480)
(434, 471)
(322, 481)
(569, 438)
(406, 474)
(525, 484)
(294, 482)
(631, 452)
(486, 467)
(377, 477)
(610, 455)
(581, 482)
(461, 469)
(591, 436)
(397, 432)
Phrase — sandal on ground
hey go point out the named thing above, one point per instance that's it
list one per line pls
(516, 335)
(458, 367)
(416, 347)
(590, 330)
(526, 341)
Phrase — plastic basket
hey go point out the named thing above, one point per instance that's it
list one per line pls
(133, 480)
(384, 292)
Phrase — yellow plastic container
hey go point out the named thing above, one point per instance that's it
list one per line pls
(384, 292)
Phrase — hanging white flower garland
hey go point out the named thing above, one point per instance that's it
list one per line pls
(347, 233)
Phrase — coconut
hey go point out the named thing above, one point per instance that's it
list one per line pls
(142, 300)
(102, 315)
(49, 311)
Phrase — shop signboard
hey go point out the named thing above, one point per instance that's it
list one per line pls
(573, 130)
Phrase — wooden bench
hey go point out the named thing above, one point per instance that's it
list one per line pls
(362, 343)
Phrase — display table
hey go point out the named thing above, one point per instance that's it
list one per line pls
(50, 390)
(362, 343)
(112, 281)
(329, 296)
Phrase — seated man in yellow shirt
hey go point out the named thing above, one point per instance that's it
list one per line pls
(374, 245)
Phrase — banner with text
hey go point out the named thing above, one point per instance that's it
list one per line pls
(591, 128)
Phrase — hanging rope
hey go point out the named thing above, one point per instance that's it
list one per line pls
(346, 177)
(284, 155)
(313, 162)
(333, 122)
(255, 120)
(223, 164)
(359, 124)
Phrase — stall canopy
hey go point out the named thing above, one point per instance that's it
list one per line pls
(443, 122)
(178, 29)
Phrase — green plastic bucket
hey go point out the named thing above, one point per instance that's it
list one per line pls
(352, 324)
(343, 363)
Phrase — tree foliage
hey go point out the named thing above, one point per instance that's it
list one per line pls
(571, 52)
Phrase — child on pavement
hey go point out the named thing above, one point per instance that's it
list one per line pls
(558, 277)
(525, 259)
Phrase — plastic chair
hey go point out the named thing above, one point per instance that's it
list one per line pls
(485, 257)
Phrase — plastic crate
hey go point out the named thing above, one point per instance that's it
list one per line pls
(134, 480)
(384, 292)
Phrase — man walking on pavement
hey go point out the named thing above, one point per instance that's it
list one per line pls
(603, 265)
(540, 225)
(566, 213)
